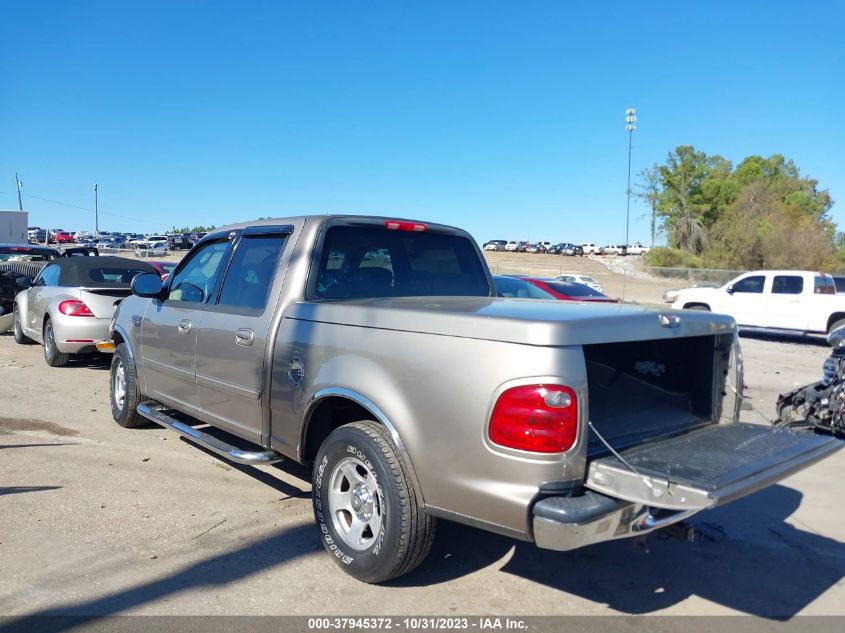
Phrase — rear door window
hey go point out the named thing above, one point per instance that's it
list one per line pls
(250, 275)
(787, 285)
(368, 262)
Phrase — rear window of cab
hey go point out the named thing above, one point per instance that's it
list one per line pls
(824, 285)
(359, 262)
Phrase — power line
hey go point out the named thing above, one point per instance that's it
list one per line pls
(89, 209)
(64, 204)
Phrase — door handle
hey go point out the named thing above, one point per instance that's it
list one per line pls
(184, 326)
(244, 336)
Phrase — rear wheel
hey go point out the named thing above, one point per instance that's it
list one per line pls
(369, 517)
(52, 355)
(123, 389)
(17, 329)
(697, 306)
(835, 324)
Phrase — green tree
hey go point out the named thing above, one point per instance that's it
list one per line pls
(760, 231)
(196, 229)
(763, 213)
(648, 190)
(680, 200)
(783, 178)
(737, 237)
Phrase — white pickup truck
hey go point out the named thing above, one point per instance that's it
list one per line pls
(637, 249)
(792, 301)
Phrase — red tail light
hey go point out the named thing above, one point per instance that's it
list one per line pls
(536, 418)
(75, 308)
(396, 225)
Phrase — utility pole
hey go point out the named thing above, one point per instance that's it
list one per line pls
(96, 214)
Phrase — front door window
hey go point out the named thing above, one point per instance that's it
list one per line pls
(194, 282)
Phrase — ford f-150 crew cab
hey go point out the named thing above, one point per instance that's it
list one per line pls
(788, 301)
(376, 351)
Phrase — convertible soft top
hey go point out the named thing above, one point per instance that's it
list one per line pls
(99, 272)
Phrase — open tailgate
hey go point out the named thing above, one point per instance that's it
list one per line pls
(708, 466)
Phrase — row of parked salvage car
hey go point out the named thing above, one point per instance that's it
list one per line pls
(64, 300)
(518, 246)
(565, 248)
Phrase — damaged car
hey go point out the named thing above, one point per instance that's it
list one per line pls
(19, 262)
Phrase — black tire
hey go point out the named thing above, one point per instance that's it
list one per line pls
(835, 324)
(123, 390)
(698, 306)
(365, 506)
(17, 329)
(52, 355)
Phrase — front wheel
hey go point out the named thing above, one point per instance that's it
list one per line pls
(365, 506)
(17, 329)
(698, 306)
(836, 324)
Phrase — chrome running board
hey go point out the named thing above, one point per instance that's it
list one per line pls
(155, 412)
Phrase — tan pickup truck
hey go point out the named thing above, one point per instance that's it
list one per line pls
(377, 351)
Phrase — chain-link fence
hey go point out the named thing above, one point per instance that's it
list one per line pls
(693, 276)
(684, 276)
(531, 268)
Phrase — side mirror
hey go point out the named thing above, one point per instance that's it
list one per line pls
(23, 283)
(730, 290)
(147, 285)
(191, 293)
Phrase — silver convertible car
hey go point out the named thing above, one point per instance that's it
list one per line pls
(68, 306)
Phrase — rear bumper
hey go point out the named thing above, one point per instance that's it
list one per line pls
(568, 523)
(78, 335)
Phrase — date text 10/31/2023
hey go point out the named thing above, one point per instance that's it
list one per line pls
(415, 623)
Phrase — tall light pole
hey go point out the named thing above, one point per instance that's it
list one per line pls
(96, 214)
(630, 126)
(630, 120)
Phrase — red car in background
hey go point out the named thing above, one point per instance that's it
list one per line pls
(62, 237)
(568, 290)
(163, 268)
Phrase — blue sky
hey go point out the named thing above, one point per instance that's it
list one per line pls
(504, 118)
